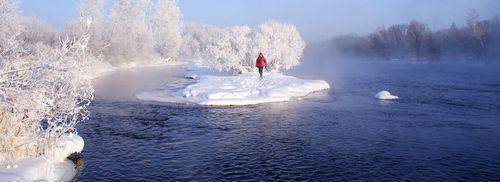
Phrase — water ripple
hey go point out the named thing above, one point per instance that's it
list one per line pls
(441, 130)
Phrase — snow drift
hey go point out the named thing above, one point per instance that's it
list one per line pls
(244, 89)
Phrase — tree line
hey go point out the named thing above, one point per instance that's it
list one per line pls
(147, 32)
(478, 40)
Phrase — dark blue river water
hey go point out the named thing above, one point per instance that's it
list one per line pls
(446, 126)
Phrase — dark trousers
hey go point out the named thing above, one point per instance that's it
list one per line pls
(261, 69)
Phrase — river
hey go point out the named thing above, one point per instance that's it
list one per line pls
(446, 126)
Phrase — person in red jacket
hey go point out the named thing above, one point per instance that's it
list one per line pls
(261, 63)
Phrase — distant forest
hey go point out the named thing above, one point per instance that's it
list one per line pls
(478, 40)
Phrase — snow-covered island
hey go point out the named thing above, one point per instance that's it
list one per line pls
(234, 51)
(244, 89)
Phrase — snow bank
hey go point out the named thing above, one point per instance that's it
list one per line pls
(244, 89)
(53, 168)
(385, 95)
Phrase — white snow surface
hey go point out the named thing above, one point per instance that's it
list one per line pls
(53, 168)
(243, 89)
(385, 95)
(67, 145)
(196, 72)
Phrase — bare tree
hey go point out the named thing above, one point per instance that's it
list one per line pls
(416, 34)
(397, 38)
(479, 29)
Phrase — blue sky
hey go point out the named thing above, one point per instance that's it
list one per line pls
(315, 19)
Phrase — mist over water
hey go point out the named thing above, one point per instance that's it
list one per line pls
(124, 84)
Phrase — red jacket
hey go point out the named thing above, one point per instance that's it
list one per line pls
(261, 62)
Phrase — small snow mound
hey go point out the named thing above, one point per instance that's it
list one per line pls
(385, 95)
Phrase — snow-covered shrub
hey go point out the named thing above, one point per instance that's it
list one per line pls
(236, 48)
(43, 89)
(167, 29)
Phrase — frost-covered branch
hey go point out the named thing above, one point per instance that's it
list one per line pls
(44, 91)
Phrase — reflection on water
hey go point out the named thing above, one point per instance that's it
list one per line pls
(445, 128)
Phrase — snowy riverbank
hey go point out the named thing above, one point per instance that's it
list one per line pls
(55, 167)
(245, 89)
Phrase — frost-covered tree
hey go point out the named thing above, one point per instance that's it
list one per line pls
(38, 32)
(207, 46)
(43, 89)
(193, 36)
(131, 37)
(167, 29)
(240, 38)
(220, 49)
(11, 27)
(281, 44)
(92, 13)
